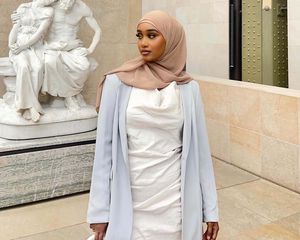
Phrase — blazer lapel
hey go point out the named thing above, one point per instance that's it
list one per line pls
(186, 104)
(186, 138)
(124, 94)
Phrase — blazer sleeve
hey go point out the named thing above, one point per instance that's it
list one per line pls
(99, 201)
(206, 171)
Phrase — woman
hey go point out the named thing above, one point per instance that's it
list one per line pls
(153, 176)
(26, 54)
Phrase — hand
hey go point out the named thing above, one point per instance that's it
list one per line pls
(26, 5)
(15, 17)
(16, 48)
(13, 46)
(99, 230)
(211, 231)
(90, 50)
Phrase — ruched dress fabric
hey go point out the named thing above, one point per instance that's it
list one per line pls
(154, 122)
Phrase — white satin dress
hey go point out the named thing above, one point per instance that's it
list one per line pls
(154, 123)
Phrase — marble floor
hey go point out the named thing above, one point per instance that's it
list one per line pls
(250, 209)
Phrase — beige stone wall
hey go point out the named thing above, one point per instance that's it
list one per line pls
(206, 23)
(117, 19)
(254, 127)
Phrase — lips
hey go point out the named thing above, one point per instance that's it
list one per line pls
(145, 52)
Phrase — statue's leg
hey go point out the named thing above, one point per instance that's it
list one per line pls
(26, 97)
(72, 103)
(51, 73)
(65, 74)
(24, 90)
(37, 74)
(50, 78)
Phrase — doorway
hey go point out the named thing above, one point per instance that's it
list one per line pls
(258, 29)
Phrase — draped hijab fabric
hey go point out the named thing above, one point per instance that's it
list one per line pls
(168, 68)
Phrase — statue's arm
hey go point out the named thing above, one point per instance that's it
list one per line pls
(94, 25)
(15, 16)
(42, 30)
(13, 35)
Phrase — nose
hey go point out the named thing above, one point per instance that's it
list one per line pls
(144, 42)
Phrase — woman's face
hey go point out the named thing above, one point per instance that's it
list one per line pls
(151, 42)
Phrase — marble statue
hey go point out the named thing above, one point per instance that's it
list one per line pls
(47, 58)
(26, 53)
(66, 63)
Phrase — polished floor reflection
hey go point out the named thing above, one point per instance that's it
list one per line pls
(250, 209)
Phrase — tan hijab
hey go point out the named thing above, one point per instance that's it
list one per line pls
(169, 68)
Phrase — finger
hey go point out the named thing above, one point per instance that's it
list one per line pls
(215, 232)
(209, 232)
(97, 236)
(100, 235)
(15, 16)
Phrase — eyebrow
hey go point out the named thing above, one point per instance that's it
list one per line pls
(148, 30)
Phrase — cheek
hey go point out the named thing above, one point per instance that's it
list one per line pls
(138, 44)
(160, 47)
(163, 47)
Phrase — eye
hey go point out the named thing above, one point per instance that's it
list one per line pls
(152, 36)
(139, 35)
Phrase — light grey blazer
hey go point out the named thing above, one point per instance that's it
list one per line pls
(110, 195)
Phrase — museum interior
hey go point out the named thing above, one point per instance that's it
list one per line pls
(243, 53)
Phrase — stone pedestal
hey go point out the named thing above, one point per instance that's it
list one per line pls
(56, 121)
(41, 169)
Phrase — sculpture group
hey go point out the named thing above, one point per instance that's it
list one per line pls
(47, 55)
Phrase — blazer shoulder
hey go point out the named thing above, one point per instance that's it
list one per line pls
(112, 81)
(196, 92)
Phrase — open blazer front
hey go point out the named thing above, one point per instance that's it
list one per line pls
(110, 196)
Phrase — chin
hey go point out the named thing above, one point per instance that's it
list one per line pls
(148, 59)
